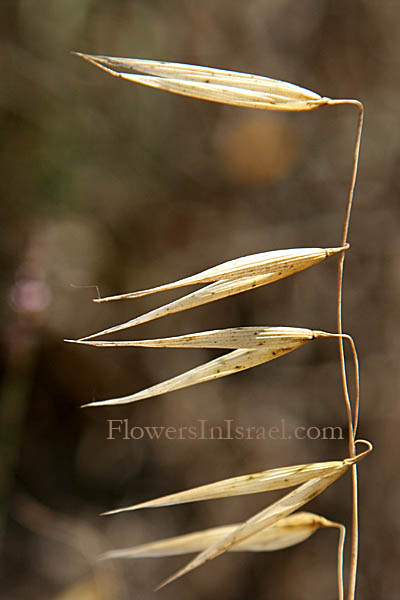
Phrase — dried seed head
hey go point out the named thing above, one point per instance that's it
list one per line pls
(269, 516)
(259, 522)
(275, 338)
(284, 533)
(254, 483)
(270, 343)
(207, 83)
(281, 262)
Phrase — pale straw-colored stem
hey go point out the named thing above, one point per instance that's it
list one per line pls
(340, 552)
(345, 336)
(354, 543)
(356, 383)
(342, 537)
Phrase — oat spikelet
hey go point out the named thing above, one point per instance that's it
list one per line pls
(275, 342)
(281, 262)
(275, 338)
(270, 515)
(254, 483)
(207, 83)
(284, 533)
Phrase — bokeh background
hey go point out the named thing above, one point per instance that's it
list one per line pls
(107, 184)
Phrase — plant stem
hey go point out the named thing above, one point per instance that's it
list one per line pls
(354, 538)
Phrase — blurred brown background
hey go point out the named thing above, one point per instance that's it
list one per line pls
(110, 184)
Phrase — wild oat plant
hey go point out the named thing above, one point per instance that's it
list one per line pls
(279, 525)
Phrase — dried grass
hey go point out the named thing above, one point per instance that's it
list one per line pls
(284, 533)
(274, 527)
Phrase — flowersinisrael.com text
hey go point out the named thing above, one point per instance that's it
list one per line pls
(229, 430)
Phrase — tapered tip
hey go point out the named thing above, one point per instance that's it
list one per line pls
(112, 512)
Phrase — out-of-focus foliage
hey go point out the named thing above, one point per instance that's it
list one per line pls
(107, 184)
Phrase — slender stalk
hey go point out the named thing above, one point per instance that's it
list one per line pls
(342, 536)
(357, 383)
(347, 337)
(354, 537)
